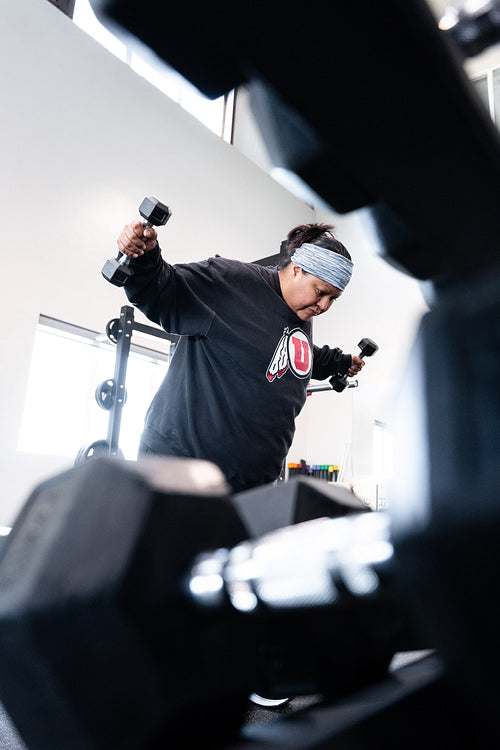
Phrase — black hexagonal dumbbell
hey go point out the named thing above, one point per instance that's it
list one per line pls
(117, 270)
(101, 650)
(368, 348)
(105, 639)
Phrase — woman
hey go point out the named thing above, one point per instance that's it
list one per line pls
(239, 374)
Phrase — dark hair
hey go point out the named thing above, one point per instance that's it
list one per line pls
(316, 234)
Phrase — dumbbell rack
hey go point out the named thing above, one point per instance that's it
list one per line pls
(119, 331)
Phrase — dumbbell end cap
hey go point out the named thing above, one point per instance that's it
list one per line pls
(115, 272)
(154, 212)
(368, 347)
(338, 384)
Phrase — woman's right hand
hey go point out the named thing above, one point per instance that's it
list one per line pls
(136, 239)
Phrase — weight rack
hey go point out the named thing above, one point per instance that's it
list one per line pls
(119, 331)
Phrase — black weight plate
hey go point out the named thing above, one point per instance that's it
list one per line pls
(105, 394)
(112, 330)
(97, 448)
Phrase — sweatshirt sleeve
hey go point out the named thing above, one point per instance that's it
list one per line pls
(328, 362)
(179, 298)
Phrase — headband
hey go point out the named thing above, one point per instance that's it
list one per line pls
(326, 265)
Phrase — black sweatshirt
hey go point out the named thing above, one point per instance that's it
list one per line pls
(240, 370)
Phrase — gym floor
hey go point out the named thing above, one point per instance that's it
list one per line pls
(255, 716)
(9, 738)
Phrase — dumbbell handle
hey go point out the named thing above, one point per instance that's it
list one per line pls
(117, 270)
(339, 557)
(339, 382)
(124, 260)
(155, 214)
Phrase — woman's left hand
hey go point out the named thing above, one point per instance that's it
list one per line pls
(357, 365)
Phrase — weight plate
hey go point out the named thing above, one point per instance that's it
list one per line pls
(97, 448)
(105, 394)
(112, 330)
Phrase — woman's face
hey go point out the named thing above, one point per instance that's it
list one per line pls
(307, 295)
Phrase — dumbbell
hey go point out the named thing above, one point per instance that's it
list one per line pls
(117, 270)
(106, 639)
(91, 580)
(368, 348)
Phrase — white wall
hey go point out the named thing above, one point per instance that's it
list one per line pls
(84, 139)
(380, 303)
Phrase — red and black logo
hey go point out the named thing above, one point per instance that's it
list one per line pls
(293, 352)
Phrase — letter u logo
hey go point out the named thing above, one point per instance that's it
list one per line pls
(299, 353)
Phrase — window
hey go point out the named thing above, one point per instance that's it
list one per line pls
(383, 451)
(61, 412)
(214, 114)
(487, 86)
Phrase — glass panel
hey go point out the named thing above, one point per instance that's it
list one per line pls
(211, 112)
(496, 96)
(383, 451)
(61, 413)
(481, 86)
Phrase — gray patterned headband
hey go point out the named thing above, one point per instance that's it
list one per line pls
(326, 265)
